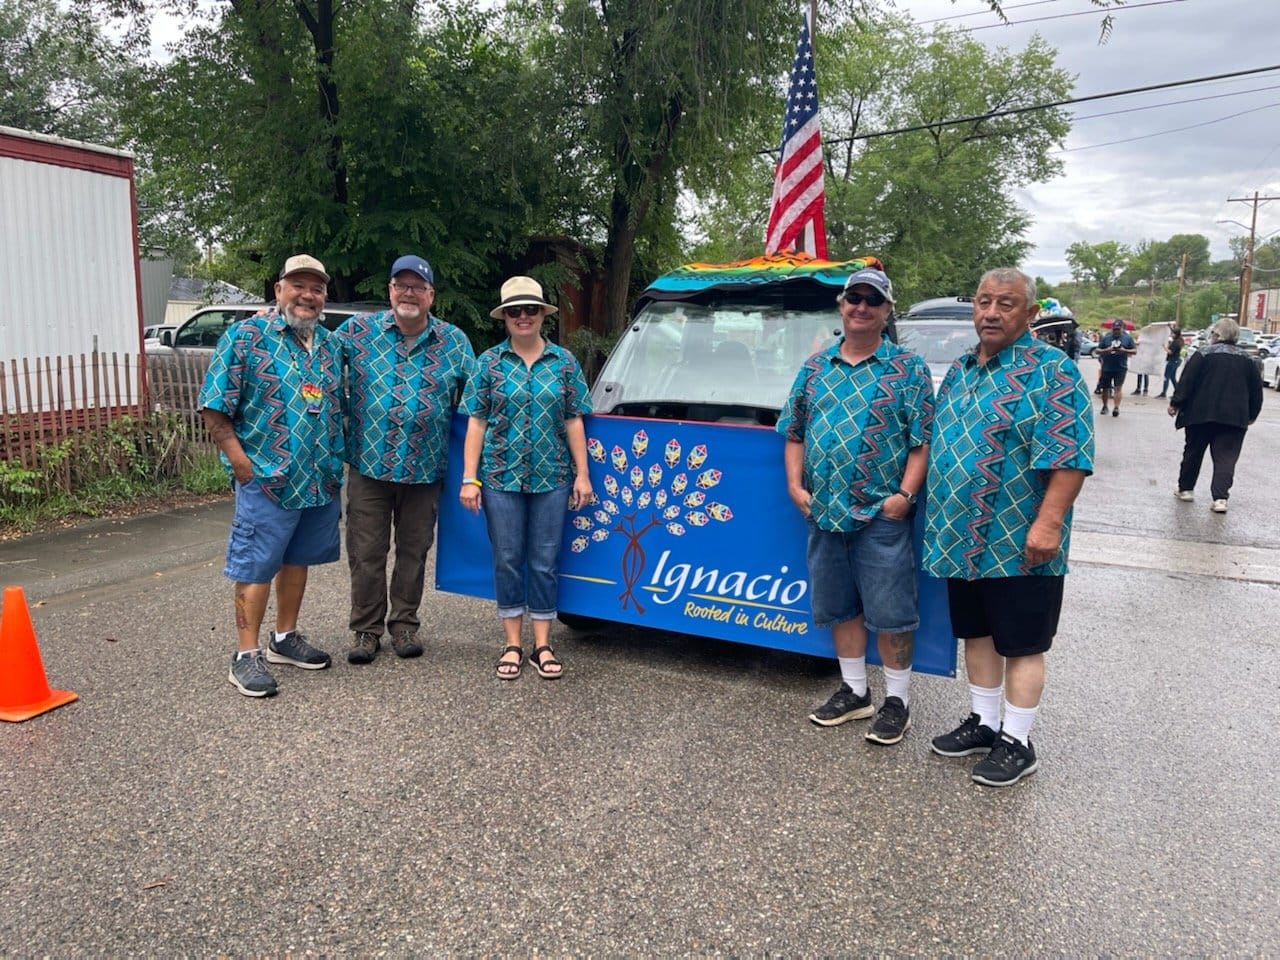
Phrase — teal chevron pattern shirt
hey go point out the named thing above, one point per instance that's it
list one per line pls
(525, 446)
(401, 392)
(285, 406)
(1000, 429)
(857, 423)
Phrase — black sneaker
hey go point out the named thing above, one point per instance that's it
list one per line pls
(1104, 410)
(1115, 412)
(972, 736)
(251, 676)
(293, 649)
(365, 647)
(891, 722)
(843, 706)
(1007, 763)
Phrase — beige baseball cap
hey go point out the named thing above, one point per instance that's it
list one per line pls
(302, 263)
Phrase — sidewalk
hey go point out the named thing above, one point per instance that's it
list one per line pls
(102, 552)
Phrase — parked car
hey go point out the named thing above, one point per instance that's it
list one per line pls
(1248, 341)
(151, 335)
(1271, 371)
(177, 361)
(941, 308)
(939, 341)
(1268, 345)
(1087, 345)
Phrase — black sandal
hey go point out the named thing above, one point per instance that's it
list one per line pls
(506, 669)
(541, 664)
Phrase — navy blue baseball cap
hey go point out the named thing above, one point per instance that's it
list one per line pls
(876, 279)
(413, 264)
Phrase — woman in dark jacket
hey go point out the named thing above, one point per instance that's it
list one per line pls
(1218, 396)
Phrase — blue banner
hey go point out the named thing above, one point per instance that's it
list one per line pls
(691, 532)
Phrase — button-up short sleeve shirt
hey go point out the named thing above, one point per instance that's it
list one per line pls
(401, 392)
(857, 422)
(1000, 429)
(525, 407)
(285, 407)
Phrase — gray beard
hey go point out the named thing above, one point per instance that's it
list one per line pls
(302, 326)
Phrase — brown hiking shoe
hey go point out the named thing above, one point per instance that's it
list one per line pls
(405, 644)
(365, 647)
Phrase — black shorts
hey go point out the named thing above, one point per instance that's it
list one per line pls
(1020, 614)
(1113, 379)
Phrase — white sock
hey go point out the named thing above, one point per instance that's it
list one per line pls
(280, 636)
(246, 653)
(853, 671)
(897, 683)
(986, 704)
(1017, 721)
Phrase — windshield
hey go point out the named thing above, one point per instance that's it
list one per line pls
(731, 354)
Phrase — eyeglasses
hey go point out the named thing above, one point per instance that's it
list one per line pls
(872, 299)
(416, 289)
(528, 309)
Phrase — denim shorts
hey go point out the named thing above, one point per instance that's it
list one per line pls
(265, 536)
(870, 571)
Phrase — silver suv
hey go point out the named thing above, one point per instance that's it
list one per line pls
(176, 365)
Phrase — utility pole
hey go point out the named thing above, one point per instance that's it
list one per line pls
(1177, 307)
(1246, 274)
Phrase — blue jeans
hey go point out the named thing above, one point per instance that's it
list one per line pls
(1170, 375)
(869, 571)
(526, 530)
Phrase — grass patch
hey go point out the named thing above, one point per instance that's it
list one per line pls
(127, 466)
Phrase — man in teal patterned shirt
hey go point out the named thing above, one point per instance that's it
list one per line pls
(271, 400)
(1012, 445)
(857, 427)
(405, 373)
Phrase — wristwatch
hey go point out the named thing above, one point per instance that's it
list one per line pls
(911, 497)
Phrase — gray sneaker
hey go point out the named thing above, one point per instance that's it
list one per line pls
(250, 675)
(405, 644)
(363, 650)
(295, 650)
(843, 706)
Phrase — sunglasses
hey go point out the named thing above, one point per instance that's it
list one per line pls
(871, 299)
(528, 309)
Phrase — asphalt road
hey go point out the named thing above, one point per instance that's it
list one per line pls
(668, 796)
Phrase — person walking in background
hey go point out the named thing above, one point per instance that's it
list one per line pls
(1114, 352)
(1012, 445)
(1172, 360)
(1218, 396)
(524, 462)
(271, 401)
(406, 370)
(857, 426)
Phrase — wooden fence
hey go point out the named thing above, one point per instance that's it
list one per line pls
(46, 400)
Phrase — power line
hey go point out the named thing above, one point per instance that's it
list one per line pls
(1031, 108)
(982, 13)
(1161, 133)
(1065, 16)
(1175, 103)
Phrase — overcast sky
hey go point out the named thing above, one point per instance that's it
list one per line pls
(1159, 183)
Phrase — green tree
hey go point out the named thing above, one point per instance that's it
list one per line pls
(1100, 263)
(59, 72)
(354, 132)
(647, 95)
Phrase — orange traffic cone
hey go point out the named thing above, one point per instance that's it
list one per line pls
(24, 691)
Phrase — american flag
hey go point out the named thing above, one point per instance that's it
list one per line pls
(795, 217)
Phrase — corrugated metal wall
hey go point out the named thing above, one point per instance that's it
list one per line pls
(67, 280)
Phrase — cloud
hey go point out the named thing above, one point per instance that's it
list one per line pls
(1159, 183)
